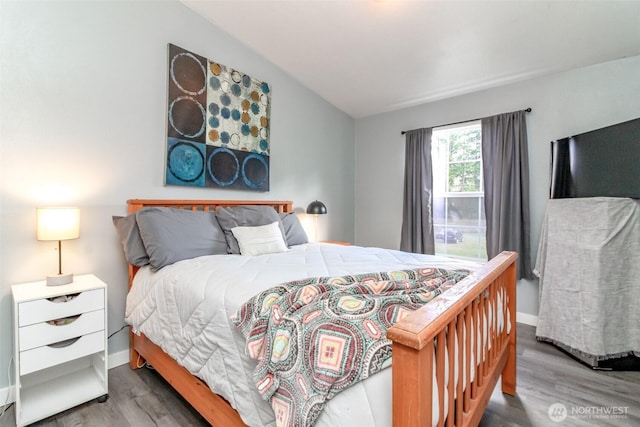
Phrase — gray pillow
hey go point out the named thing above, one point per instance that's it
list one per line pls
(127, 229)
(245, 216)
(293, 231)
(170, 235)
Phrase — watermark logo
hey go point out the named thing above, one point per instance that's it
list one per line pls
(557, 412)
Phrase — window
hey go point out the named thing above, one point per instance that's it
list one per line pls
(458, 195)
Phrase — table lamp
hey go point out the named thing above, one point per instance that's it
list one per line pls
(58, 224)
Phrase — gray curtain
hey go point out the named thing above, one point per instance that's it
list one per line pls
(417, 217)
(506, 187)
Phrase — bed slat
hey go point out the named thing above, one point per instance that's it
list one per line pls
(413, 340)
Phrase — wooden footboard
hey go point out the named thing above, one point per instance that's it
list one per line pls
(457, 317)
(479, 310)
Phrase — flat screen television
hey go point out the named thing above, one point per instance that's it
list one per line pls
(600, 163)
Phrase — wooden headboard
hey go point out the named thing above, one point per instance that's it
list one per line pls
(281, 206)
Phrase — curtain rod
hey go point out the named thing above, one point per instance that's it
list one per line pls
(528, 110)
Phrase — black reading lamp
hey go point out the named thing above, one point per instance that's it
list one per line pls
(316, 208)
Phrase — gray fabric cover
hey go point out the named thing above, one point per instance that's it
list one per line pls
(417, 216)
(170, 235)
(505, 161)
(245, 216)
(293, 230)
(127, 229)
(589, 268)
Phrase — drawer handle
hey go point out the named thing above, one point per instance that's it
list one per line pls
(63, 298)
(65, 343)
(63, 321)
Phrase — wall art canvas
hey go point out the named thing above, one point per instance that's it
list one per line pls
(217, 125)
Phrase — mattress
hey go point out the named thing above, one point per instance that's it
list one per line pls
(185, 308)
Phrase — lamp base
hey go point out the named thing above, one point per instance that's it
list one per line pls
(59, 279)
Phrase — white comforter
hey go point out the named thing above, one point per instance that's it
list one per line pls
(185, 309)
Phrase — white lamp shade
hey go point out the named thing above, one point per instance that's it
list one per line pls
(58, 223)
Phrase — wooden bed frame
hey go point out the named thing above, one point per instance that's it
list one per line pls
(414, 344)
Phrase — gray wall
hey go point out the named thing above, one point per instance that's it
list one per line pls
(83, 104)
(563, 104)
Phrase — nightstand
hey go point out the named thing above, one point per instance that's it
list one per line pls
(336, 242)
(60, 346)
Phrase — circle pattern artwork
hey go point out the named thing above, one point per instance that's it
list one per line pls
(246, 101)
(223, 166)
(185, 161)
(188, 73)
(255, 171)
(216, 69)
(187, 116)
(218, 125)
(224, 137)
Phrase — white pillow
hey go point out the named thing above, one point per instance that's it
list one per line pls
(264, 239)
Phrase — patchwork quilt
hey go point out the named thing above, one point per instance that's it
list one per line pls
(315, 337)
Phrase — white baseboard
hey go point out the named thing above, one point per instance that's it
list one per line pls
(118, 359)
(3, 396)
(527, 319)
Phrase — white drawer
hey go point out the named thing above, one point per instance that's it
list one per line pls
(47, 356)
(43, 333)
(41, 310)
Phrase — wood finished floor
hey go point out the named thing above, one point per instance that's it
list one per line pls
(546, 376)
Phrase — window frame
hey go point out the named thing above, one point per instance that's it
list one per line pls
(443, 179)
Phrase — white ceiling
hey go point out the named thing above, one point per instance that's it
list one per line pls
(367, 56)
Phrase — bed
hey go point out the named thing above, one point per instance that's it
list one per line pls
(474, 319)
